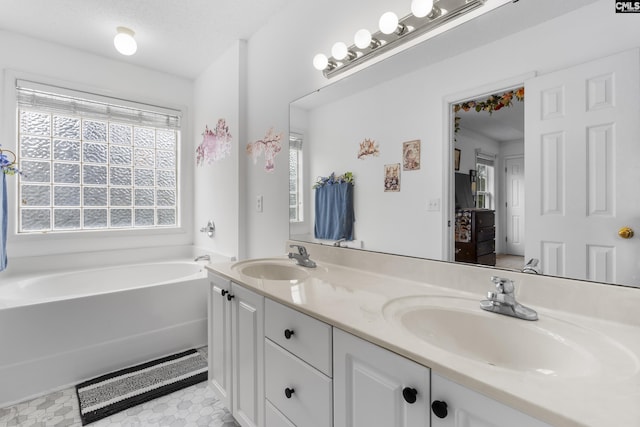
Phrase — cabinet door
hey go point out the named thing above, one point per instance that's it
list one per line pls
(220, 338)
(370, 383)
(247, 329)
(466, 408)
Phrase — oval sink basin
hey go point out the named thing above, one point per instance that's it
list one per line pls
(271, 269)
(549, 346)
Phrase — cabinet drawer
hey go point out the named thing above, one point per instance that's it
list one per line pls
(485, 233)
(488, 259)
(310, 403)
(487, 247)
(473, 252)
(310, 339)
(484, 218)
(274, 418)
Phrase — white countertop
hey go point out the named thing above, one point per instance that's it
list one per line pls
(349, 290)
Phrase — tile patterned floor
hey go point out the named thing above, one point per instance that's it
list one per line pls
(194, 406)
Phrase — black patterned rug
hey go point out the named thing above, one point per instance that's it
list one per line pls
(120, 390)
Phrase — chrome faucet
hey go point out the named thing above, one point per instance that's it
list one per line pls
(337, 243)
(503, 301)
(532, 266)
(203, 257)
(302, 257)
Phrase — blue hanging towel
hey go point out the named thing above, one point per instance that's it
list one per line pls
(3, 220)
(334, 212)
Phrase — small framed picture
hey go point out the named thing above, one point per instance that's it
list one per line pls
(456, 159)
(411, 155)
(392, 177)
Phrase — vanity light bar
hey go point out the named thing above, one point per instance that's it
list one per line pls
(408, 29)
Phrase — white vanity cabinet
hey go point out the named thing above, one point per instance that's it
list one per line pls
(274, 366)
(374, 387)
(298, 368)
(236, 349)
(457, 406)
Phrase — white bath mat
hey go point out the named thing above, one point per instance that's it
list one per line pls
(120, 390)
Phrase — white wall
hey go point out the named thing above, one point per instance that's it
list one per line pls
(51, 63)
(216, 191)
(595, 30)
(468, 142)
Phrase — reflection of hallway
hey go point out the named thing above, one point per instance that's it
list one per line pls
(510, 262)
(494, 144)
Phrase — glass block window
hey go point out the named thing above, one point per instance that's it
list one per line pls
(94, 164)
(295, 178)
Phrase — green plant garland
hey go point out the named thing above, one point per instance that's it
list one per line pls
(491, 104)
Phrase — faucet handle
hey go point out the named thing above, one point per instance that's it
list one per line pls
(503, 286)
(301, 249)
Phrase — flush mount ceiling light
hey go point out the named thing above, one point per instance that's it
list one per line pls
(124, 41)
(425, 16)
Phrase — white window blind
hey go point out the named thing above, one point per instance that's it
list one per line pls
(83, 104)
(485, 158)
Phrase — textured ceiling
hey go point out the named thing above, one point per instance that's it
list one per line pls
(180, 37)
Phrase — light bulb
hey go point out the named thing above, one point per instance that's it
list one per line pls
(339, 51)
(362, 39)
(320, 61)
(421, 8)
(388, 23)
(124, 41)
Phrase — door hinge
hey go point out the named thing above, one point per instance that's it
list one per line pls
(449, 223)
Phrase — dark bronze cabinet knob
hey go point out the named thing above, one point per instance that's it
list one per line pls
(410, 394)
(439, 408)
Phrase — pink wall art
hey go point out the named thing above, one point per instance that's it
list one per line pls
(215, 145)
(269, 145)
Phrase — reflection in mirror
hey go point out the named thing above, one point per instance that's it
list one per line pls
(559, 180)
(489, 139)
(296, 185)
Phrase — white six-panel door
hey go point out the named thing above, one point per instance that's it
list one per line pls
(582, 156)
(514, 180)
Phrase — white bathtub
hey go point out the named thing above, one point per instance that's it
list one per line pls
(60, 329)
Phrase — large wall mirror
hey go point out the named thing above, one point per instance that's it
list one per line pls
(551, 177)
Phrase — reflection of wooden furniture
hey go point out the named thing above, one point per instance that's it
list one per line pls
(475, 236)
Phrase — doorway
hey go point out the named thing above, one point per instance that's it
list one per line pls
(488, 140)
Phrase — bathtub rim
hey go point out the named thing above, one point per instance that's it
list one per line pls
(15, 281)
